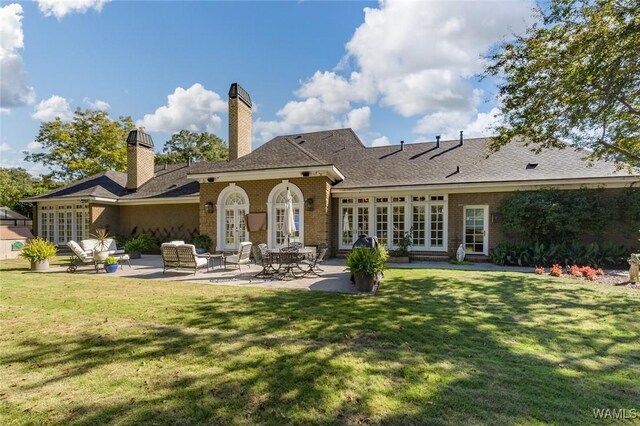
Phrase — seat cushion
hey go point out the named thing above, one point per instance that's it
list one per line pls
(231, 259)
(201, 261)
(88, 245)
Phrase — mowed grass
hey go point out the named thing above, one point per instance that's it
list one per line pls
(433, 347)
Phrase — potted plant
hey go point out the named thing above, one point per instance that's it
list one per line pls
(101, 250)
(38, 251)
(366, 265)
(111, 264)
(202, 242)
(401, 254)
(135, 246)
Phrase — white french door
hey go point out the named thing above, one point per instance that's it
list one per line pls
(235, 227)
(476, 229)
(60, 224)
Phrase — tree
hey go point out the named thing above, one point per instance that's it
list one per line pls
(574, 77)
(17, 183)
(197, 146)
(91, 143)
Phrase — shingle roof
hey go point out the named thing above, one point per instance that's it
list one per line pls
(363, 167)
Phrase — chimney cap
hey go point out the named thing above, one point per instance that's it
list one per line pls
(237, 91)
(138, 137)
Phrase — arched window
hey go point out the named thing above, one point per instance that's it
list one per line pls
(233, 205)
(277, 200)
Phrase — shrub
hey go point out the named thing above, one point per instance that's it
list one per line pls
(202, 241)
(539, 270)
(403, 244)
(139, 244)
(552, 215)
(367, 261)
(111, 260)
(556, 271)
(595, 255)
(589, 273)
(575, 271)
(599, 272)
(38, 250)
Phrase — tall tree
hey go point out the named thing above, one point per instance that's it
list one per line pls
(574, 77)
(17, 183)
(91, 143)
(197, 146)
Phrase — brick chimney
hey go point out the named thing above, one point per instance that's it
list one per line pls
(140, 159)
(239, 122)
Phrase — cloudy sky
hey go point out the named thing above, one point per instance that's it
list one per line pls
(391, 70)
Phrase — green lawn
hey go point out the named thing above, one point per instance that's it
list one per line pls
(433, 347)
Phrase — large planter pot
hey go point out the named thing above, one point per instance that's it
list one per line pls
(111, 268)
(40, 265)
(100, 256)
(135, 255)
(364, 282)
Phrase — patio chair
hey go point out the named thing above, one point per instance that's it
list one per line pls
(310, 266)
(288, 259)
(321, 252)
(79, 257)
(263, 258)
(181, 256)
(296, 245)
(242, 257)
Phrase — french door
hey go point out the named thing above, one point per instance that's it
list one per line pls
(476, 229)
(235, 227)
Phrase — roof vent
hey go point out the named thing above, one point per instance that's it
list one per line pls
(531, 166)
(461, 138)
(438, 141)
(401, 145)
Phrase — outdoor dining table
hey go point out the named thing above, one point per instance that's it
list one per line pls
(285, 270)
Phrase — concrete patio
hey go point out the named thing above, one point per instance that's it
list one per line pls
(334, 278)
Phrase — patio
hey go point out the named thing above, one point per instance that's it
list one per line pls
(334, 278)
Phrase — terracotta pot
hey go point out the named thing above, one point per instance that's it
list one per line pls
(100, 256)
(364, 282)
(40, 265)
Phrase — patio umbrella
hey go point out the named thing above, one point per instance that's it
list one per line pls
(346, 227)
(289, 225)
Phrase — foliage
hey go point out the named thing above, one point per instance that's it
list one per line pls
(573, 77)
(91, 143)
(111, 260)
(556, 270)
(38, 249)
(17, 183)
(575, 271)
(539, 270)
(102, 236)
(629, 204)
(541, 254)
(192, 145)
(552, 215)
(202, 241)
(367, 261)
(139, 244)
(404, 243)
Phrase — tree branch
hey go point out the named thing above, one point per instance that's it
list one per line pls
(628, 155)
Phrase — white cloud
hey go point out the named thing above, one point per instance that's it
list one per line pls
(381, 141)
(49, 109)
(33, 146)
(5, 147)
(191, 109)
(358, 118)
(417, 58)
(97, 105)
(449, 124)
(60, 8)
(14, 90)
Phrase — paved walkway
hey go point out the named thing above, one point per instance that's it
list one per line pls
(335, 277)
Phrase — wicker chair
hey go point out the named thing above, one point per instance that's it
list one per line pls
(181, 256)
(242, 257)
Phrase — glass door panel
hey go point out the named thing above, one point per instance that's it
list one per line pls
(475, 230)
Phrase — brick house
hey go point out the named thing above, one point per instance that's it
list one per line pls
(443, 192)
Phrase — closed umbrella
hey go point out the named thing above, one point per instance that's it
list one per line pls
(289, 225)
(345, 223)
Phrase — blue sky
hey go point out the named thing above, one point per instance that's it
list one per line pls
(392, 70)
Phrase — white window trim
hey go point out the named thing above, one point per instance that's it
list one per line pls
(220, 219)
(485, 241)
(53, 210)
(408, 217)
(271, 205)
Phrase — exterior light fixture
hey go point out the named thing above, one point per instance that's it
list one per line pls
(208, 207)
(309, 204)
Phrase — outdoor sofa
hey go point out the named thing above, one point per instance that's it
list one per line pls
(179, 255)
